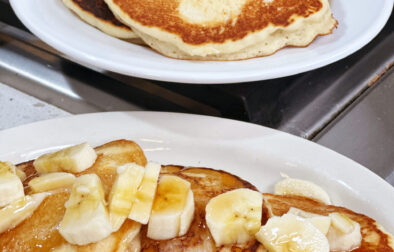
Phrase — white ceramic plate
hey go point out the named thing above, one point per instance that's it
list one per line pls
(359, 22)
(255, 153)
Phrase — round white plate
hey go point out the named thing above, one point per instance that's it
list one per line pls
(51, 21)
(254, 153)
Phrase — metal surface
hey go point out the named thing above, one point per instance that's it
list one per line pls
(365, 131)
(323, 94)
(41, 74)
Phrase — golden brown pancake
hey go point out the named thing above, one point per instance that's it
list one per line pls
(40, 233)
(374, 237)
(225, 29)
(97, 14)
(206, 184)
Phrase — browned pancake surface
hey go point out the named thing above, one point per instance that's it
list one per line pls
(255, 16)
(205, 184)
(40, 231)
(100, 10)
(373, 239)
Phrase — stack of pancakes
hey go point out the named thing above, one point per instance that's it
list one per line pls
(210, 29)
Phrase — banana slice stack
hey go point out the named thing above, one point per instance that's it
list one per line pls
(123, 193)
(299, 230)
(234, 217)
(86, 218)
(173, 209)
(167, 206)
(16, 205)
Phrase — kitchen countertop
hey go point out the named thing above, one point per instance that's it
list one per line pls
(18, 108)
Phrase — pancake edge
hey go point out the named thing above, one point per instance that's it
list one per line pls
(389, 235)
(380, 228)
(103, 25)
(261, 43)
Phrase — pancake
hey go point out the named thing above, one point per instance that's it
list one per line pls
(206, 183)
(224, 29)
(374, 237)
(97, 14)
(40, 231)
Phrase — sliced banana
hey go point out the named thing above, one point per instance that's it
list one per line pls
(321, 222)
(7, 167)
(299, 187)
(73, 159)
(19, 210)
(344, 233)
(342, 223)
(21, 174)
(292, 233)
(234, 217)
(172, 210)
(51, 181)
(142, 207)
(11, 187)
(86, 219)
(123, 193)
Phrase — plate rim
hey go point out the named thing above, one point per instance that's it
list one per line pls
(291, 137)
(191, 77)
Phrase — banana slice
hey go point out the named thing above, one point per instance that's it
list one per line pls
(344, 233)
(21, 174)
(123, 193)
(235, 216)
(299, 187)
(11, 187)
(142, 206)
(74, 159)
(86, 218)
(51, 181)
(321, 222)
(342, 223)
(19, 210)
(173, 209)
(292, 233)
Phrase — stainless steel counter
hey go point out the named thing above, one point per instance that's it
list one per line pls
(364, 132)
